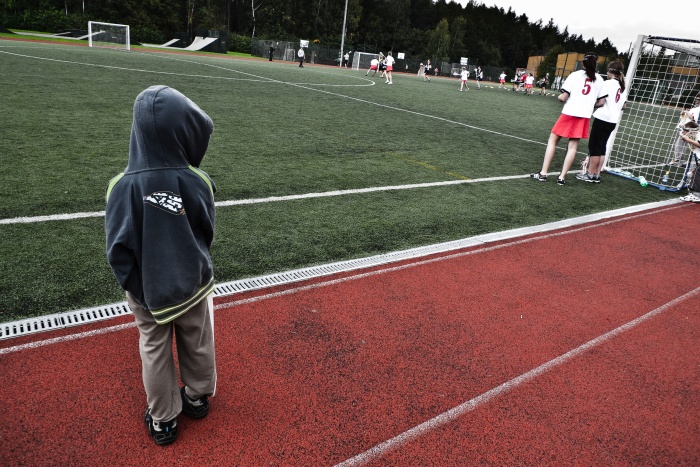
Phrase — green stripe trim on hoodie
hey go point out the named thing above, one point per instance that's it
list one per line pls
(167, 314)
(112, 183)
(204, 177)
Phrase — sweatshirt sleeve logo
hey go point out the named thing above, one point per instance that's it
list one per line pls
(167, 201)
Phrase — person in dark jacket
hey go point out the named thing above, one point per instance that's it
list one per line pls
(159, 226)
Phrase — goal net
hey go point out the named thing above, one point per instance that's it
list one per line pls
(663, 80)
(115, 36)
(362, 60)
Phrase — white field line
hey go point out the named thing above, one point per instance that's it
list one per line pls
(271, 199)
(254, 78)
(377, 104)
(446, 417)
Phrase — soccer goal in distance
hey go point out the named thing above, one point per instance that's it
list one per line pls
(362, 60)
(113, 36)
(662, 83)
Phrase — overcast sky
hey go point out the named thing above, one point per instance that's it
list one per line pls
(618, 20)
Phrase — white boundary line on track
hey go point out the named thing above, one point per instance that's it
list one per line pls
(456, 412)
(66, 338)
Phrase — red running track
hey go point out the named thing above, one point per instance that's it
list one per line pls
(575, 347)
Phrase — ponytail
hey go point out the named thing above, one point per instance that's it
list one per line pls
(590, 61)
(616, 68)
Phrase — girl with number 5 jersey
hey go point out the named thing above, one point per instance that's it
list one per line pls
(605, 121)
(582, 91)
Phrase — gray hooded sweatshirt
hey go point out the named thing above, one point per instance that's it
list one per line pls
(160, 211)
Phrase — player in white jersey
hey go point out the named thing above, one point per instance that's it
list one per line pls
(605, 121)
(464, 76)
(373, 66)
(679, 148)
(389, 66)
(691, 128)
(529, 81)
(502, 80)
(582, 91)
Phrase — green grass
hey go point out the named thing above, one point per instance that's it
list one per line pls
(279, 130)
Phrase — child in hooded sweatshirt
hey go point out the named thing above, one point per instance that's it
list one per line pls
(160, 227)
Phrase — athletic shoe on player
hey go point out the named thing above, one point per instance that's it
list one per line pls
(596, 179)
(539, 177)
(693, 198)
(163, 433)
(194, 408)
(561, 181)
(586, 177)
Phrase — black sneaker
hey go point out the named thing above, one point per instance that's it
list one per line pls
(538, 176)
(163, 433)
(586, 177)
(596, 179)
(561, 181)
(197, 408)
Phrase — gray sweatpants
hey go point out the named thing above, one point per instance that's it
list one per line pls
(194, 338)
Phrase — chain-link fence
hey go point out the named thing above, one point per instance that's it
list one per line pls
(287, 51)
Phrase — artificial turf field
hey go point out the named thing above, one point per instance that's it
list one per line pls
(312, 165)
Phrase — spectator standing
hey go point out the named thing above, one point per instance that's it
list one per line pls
(604, 122)
(582, 91)
(301, 55)
(159, 225)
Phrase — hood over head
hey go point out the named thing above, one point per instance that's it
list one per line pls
(168, 131)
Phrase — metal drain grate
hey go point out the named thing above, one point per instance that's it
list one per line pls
(75, 318)
(62, 320)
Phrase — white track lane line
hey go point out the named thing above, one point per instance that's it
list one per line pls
(446, 417)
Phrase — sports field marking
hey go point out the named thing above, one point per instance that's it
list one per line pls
(254, 78)
(69, 337)
(273, 199)
(368, 81)
(300, 85)
(446, 417)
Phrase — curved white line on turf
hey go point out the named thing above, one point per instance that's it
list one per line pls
(170, 57)
(453, 414)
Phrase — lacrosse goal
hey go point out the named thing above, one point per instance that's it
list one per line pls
(114, 36)
(362, 60)
(663, 80)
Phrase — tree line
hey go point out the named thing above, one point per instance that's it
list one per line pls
(441, 30)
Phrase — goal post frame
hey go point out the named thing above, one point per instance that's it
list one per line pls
(357, 59)
(91, 33)
(641, 147)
